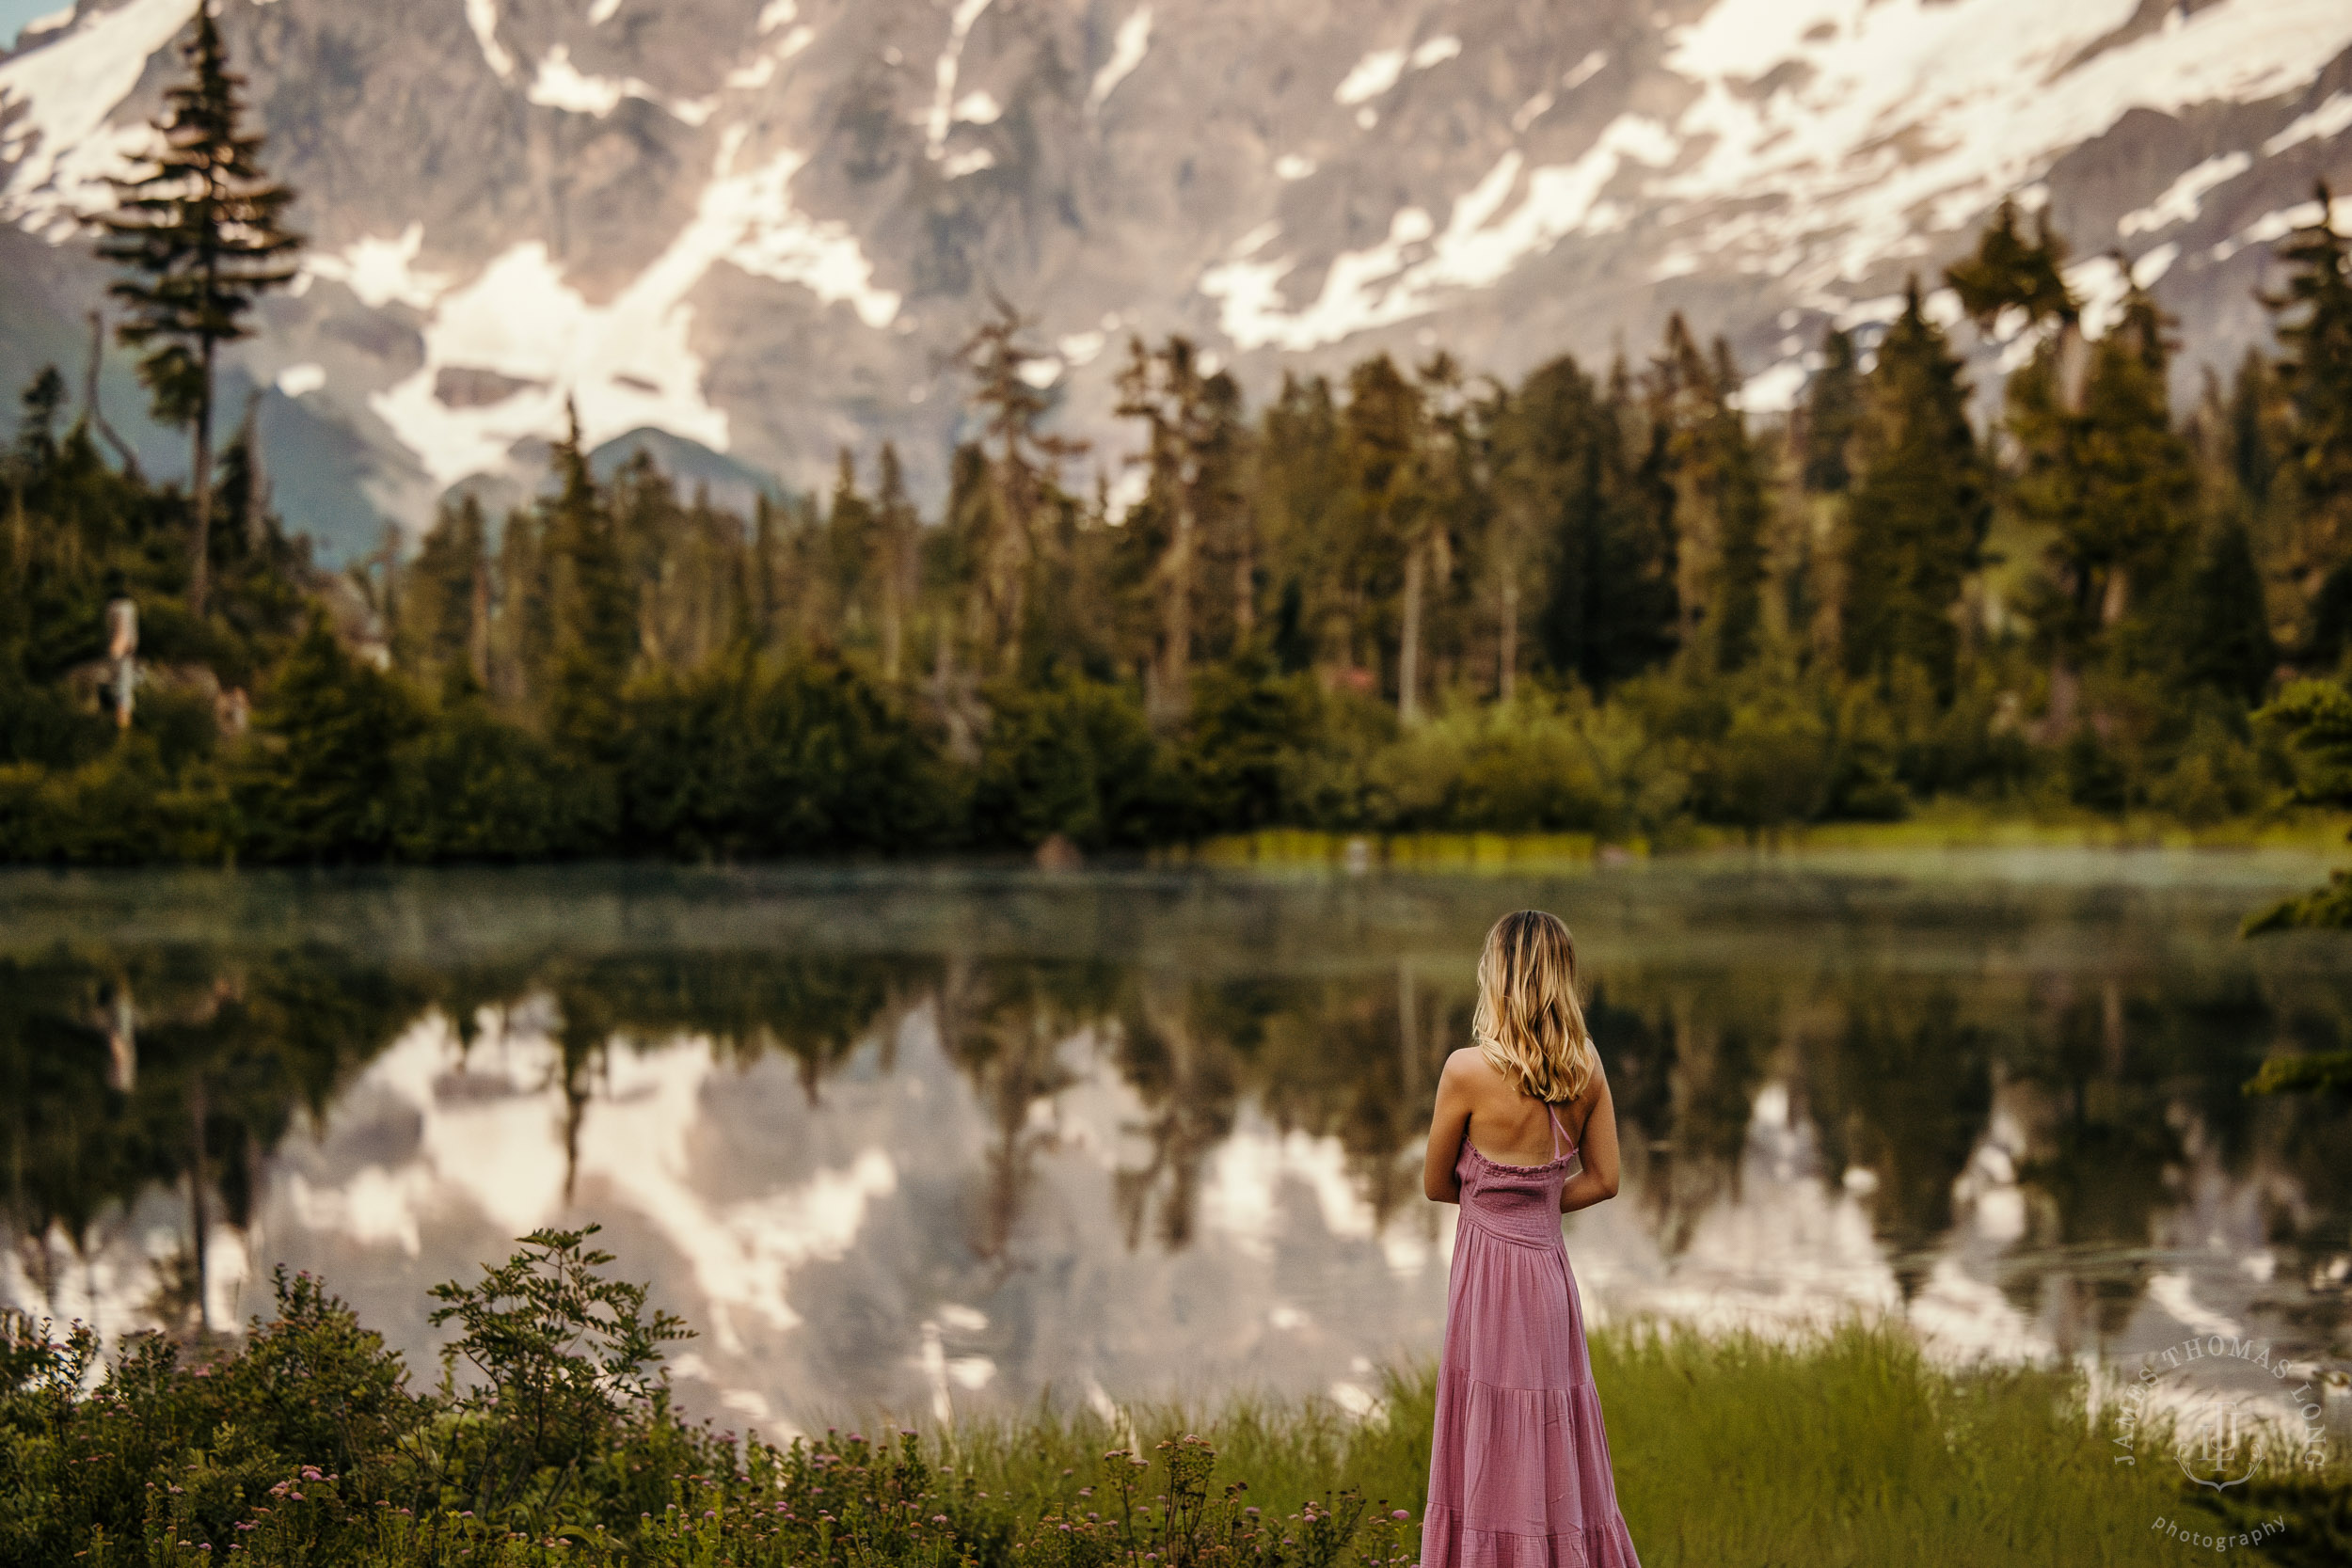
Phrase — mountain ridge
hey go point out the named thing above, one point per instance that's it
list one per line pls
(763, 226)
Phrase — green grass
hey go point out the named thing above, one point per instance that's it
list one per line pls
(1739, 1451)
(1941, 825)
(304, 1445)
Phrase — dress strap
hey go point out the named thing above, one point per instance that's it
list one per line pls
(1557, 1133)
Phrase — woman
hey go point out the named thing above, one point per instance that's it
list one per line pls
(1518, 1470)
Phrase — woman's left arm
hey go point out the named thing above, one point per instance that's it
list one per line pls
(1447, 1126)
(1595, 1180)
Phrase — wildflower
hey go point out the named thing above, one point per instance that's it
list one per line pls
(1400, 1515)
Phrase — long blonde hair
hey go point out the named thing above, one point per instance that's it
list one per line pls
(1528, 1025)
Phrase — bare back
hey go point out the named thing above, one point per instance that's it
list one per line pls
(1479, 1106)
(1507, 1126)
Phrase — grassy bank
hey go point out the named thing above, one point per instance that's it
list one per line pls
(1937, 827)
(303, 1443)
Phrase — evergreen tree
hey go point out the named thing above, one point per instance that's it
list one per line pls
(1920, 509)
(318, 786)
(2223, 637)
(200, 233)
(1187, 496)
(1833, 410)
(591, 608)
(1383, 425)
(852, 561)
(1732, 479)
(444, 603)
(2315, 323)
(1719, 508)
(2011, 272)
(2253, 449)
(1303, 519)
(1602, 540)
(899, 543)
(2114, 480)
(1006, 524)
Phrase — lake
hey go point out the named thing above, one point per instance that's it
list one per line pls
(937, 1141)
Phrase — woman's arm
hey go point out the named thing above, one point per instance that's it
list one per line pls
(1595, 1180)
(1447, 1127)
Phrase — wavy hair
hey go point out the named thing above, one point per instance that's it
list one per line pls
(1528, 1025)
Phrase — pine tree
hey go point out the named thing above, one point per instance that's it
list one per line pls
(1024, 482)
(2011, 272)
(1163, 390)
(444, 600)
(2223, 637)
(2112, 479)
(1832, 409)
(1732, 479)
(2315, 323)
(591, 609)
(1720, 508)
(898, 546)
(852, 560)
(318, 787)
(1920, 510)
(1601, 537)
(1302, 514)
(1384, 417)
(201, 235)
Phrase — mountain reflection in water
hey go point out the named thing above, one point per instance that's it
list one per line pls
(935, 1141)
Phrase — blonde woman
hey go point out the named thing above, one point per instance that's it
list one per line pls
(1524, 1133)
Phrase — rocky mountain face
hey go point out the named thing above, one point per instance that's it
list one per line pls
(763, 226)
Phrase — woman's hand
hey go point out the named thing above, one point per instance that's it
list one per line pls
(1596, 1179)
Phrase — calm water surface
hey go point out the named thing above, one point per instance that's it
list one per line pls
(941, 1141)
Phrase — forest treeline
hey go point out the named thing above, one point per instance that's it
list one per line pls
(1605, 601)
(1601, 602)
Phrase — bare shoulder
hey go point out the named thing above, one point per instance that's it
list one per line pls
(1467, 1069)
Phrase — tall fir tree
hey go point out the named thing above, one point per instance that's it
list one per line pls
(441, 630)
(1010, 529)
(899, 529)
(200, 233)
(1920, 509)
(2106, 473)
(1384, 420)
(319, 787)
(2221, 634)
(1733, 481)
(2009, 270)
(1602, 551)
(593, 630)
(2315, 325)
(1832, 409)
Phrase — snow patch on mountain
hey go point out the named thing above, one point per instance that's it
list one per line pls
(60, 94)
(942, 117)
(483, 16)
(1127, 51)
(2182, 200)
(378, 271)
(2273, 227)
(561, 85)
(2329, 119)
(626, 363)
(1892, 108)
(1414, 269)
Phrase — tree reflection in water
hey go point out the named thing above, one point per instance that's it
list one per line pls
(137, 1074)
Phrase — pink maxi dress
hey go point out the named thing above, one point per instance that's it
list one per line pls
(1518, 1470)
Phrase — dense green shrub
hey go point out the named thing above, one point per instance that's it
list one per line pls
(1075, 758)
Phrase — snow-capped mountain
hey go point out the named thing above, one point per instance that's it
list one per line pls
(763, 226)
